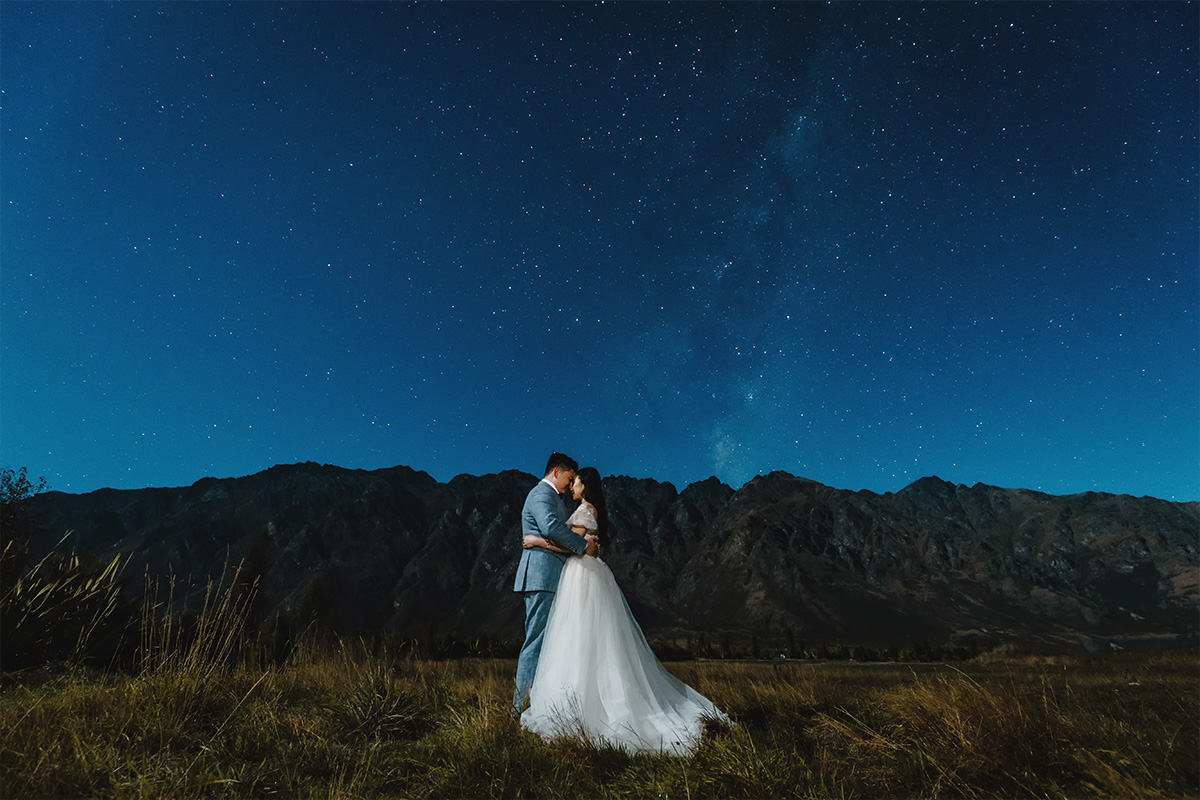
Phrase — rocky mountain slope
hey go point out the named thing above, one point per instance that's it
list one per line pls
(783, 559)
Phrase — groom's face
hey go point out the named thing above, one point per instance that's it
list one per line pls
(561, 478)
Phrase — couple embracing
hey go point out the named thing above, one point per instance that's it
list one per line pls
(585, 666)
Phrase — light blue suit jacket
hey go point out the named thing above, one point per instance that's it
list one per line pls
(545, 515)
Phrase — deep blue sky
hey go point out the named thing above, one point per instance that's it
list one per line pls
(859, 243)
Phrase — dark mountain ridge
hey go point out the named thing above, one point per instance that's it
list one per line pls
(783, 559)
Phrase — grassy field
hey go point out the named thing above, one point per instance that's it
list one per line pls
(342, 721)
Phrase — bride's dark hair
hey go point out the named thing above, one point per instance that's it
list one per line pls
(594, 494)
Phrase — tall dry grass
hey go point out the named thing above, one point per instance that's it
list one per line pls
(205, 711)
(348, 719)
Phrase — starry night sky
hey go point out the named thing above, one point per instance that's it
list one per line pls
(859, 243)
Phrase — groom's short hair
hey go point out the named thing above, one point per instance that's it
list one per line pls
(561, 461)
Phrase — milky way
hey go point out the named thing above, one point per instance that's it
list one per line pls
(859, 243)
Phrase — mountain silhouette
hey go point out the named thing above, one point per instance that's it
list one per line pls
(783, 559)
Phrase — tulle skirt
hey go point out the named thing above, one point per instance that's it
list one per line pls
(598, 680)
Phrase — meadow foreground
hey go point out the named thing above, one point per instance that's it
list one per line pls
(344, 722)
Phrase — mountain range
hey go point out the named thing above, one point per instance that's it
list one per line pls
(780, 560)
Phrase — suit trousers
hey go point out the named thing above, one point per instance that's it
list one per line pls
(537, 611)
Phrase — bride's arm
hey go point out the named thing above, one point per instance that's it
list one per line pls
(589, 534)
(531, 541)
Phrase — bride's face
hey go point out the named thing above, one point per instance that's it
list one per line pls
(577, 489)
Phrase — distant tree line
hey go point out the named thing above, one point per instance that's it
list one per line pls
(724, 647)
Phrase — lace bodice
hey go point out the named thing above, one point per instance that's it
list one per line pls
(584, 517)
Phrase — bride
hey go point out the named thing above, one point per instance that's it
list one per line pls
(597, 678)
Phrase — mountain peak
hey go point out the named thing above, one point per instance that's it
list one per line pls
(930, 484)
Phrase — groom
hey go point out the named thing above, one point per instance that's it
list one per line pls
(537, 573)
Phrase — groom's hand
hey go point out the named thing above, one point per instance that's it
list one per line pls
(593, 546)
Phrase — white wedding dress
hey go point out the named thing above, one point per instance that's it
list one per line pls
(597, 678)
